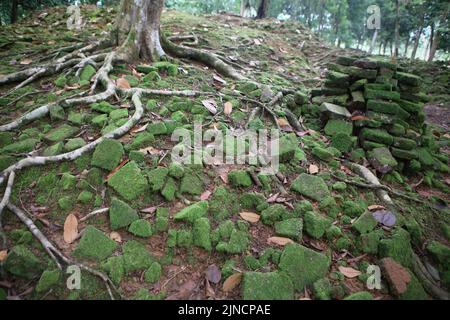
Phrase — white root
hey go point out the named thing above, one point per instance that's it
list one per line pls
(93, 213)
(4, 202)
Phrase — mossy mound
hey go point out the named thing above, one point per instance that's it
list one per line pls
(94, 245)
(121, 214)
(128, 181)
(107, 154)
(267, 286)
(310, 186)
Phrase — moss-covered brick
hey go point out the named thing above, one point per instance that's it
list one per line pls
(368, 242)
(303, 265)
(357, 85)
(73, 144)
(141, 228)
(404, 154)
(201, 233)
(291, 228)
(335, 111)
(441, 253)
(300, 98)
(56, 113)
(238, 242)
(369, 145)
(365, 223)
(136, 256)
(335, 126)
(398, 247)
(157, 128)
(345, 61)
(23, 263)
(61, 133)
(100, 120)
(66, 203)
(322, 153)
(382, 159)
(85, 197)
(114, 266)
(223, 203)
(157, 178)
(381, 94)
(273, 214)
(6, 161)
(121, 214)
(397, 130)
(408, 79)
(322, 289)
(343, 142)
(23, 146)
(162, 219)
(128, 181)
(383, 106)
(287, 145)
(184, 238)
(315, 224)
(103, 107)
(170, 187)
(353, 208)
(337, 76)
(48, 279)
(87, 73)
(76, 117)
(95, 245)
(363, 295)
(176, 170)
(254, 201)
(118, 114)
(68, 181)
(267, 286)
(153, 273)
(239, 178)
(376, 135)
(404, 143)
(6, 138)
(107, 154)
(142, 140)
(192, 212)
(310, 186)
(191, 184)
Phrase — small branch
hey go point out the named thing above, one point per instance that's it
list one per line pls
(93, 213)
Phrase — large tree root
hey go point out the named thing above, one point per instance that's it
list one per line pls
(4, 203)
(418, 268)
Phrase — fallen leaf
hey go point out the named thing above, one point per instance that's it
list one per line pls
(70, 228)
(140, 129)
(250, 216)
(227, 108)
(313, 169)
(282, 50)
(149, 150)
(279, 241)
(115, 236)
(213, 274)
(385, 217)
(356, 118)
(123, 83)
(375, 207)
(205, 195)
(282, 122)
(219, 79)
(349, 272)
(149, 210)
(3, 255)
(211, 105)
(209, 291)
(273, 198)
(26, 61)
(232, 282)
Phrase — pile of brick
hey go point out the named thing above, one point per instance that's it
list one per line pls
(375, 110)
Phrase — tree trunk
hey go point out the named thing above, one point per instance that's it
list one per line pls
(138, 34)
(406, 46)
(430, 43)
(397, 27)
(384, 47)
(14, 11)
(434, 46)
(263, 9)
(374, 39)
(243, 2)
(416, 42)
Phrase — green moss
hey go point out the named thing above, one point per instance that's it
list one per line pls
(157, 128)
(118, 114)
(142, 140)
(168, 192)
(141, 228)
(191, 184)
(315, 224)
(87, 73)
(153, 273)
(404, 154)
(291, 228)
(76, 117)
(238, 243)
(48, 279)
(381, 159)
(157, 178)
(201, 233)
(56, 113)
(267, 286)
(176, 170)
(239, 178)
(94, 245)
(135, 256)
(128, 181)
(23, 263)
(303, 265)
(192, 212)
(162, 219)
(223, 203)
(6, 161)
(184, 238)
(121, 214)
(353, 208)
(343, 142)
(376, 135)
(322, 289)
(23, 146)
(335, 126)
(365, 223)
(368, 242)
(273, 214)
(441, 253)
(310, 186)
(103, 107)
(61, 133)
(85, 197)
(363, 295)
(322, 153)
(398, 247)
(66, 203)
(253, 200)
(288, 144)
(114, 266)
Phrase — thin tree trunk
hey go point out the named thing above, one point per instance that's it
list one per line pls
(14, 11)
(242, 7)
(138, 33)
(374, 39)
(430, 43)
(397, 28)
(407, 46)
(434, 46)
(379, 49)
(263, 9)
(384, 47)
(416, 42)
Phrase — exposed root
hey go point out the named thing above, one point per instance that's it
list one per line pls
(427, 280)
(4, 203)
(57, 256)
(93, 213)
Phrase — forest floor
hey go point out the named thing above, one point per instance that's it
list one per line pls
(305, 234)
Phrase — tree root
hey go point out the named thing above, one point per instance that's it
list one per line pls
(57, 256)
(4, 203)
(427, 280)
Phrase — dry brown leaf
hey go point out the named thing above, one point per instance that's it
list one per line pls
(26, 61)
(70, 228)
(282, 122)
(250, 216)
(149, 209)
(356, 118)
(123, 83)
(205, 195)
(149, 150)
(140, 129)
(376, 207)
(115, 236)
(313, 169)
(211, 105)
(279, 241)
(232, 282)
(349, 272)
(227, 108)
(3, 255)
